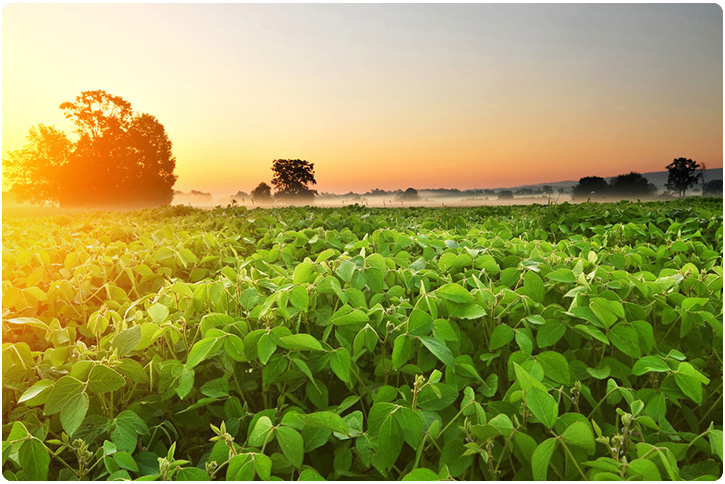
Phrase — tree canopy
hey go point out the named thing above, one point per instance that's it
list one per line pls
(631, 185)
(119, 157)
(263, 193)
(590, 187)
(410, 194)
(682, 175)
(292, 179)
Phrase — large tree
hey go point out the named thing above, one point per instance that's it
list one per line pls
(292, 179)
(682, 175)
(590, 187)
(119, 158)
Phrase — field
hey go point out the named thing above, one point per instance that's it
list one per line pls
(560, 342)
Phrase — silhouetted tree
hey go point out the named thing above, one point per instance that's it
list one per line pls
(547, 189)
(682, 175)
(590, 187)
(410, 194)
(119, 157)
(292, 179)
(505, 195)
(713, 188)
(35, 169)
(263, 193)
(631, 185)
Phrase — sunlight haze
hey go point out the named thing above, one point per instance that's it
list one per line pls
(384, 96)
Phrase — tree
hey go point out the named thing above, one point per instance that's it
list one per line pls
(119, 158)
(35, 168)
(262, 194)
(682, 175)
(292, 177)
(505, 195)
(631, 185)
(590, 187)
(547, 189)
(713, 188)
(410, 194)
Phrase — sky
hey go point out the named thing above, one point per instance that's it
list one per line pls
(384, 95)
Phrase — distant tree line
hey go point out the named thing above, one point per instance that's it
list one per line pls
(682, 175)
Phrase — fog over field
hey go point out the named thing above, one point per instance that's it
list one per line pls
(519, 195)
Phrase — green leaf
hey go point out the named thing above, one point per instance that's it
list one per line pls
(37, 394)
(263, 466)
(649, 364)
(158, 313)
(690, 381)
(420, 323)
(310, 474)
(201, 350)
(403, 349)
(103, 379)
(34, 460)
(240, 468)
(187, 257)
(299, 298)
(549, 334)
(454, 292)
(126, 340)
(261, 429)
(191, 474)
(501, 336)
(541, 457)
(340, 362)
(292, 445)
(301, 341)
(266, 348)
(716, 437)
(186, 382)
(624, 338)
(346, 315)
(304, 272)
(325, 420)
(525, 380)
(421, 474)
(555, 366)
(64, 390)
(439, 349)
(73, 413)
(645, 468)
(132, 370)
(562, 275)
(346, 270)
(125, 461)
(579, 434)
(607, 311)
(534, 286)
(542, 406)
(502, 423)
(411, 424)
(390, 441)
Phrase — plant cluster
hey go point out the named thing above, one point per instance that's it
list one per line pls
(540, 342)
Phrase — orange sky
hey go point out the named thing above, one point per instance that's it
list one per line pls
(384, 96)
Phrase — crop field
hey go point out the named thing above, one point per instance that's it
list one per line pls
(559, 342)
